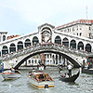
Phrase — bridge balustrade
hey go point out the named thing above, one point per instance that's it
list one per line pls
(43, 46)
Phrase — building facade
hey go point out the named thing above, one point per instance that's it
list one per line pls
(82, 28)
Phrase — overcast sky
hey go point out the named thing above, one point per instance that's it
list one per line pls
(24, 16)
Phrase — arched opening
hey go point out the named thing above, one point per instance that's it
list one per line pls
(12, 48)
(88, 48)
(71, 59)
(27, 43)
(58, 40)
(35, 40)
(73, 44)
(80, 46)
(20, 45)
(65, 42)
(4, 50)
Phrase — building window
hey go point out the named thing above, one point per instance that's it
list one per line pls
(73, 29)
(35, 61)
(80, 34)
(77, 34)
(4, 37)
(77, 27)
(89, 28)
(48, 56)
(29, 61)
(68, 30)
(32, 61)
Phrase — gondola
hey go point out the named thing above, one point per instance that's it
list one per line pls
(69, 79)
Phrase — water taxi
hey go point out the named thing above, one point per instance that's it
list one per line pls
(40, 79)
(8, 74)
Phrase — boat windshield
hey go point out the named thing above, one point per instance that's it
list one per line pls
(41, 76)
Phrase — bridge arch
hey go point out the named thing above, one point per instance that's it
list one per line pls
(72, 60)
(80, 46)
(88, 47)
(19, 45)
(35, 40)
(5, 50)
(73, 44)
(65, 42)
(12, 47)
(27, 42)
(58, 39)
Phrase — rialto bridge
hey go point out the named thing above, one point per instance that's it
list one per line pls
(46, 40)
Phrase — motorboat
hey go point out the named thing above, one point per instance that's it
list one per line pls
(40, 79)
(69, 79)
(8, 74)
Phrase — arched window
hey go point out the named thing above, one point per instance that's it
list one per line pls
(4, 37)
(20, 45)
(58, 40)
(27, 43)
(80, 46)
(4, 50)
(65, 42)
(12, 48)
(88, 48)
(35, 40)
(73, 44)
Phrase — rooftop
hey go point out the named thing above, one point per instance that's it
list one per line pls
(86, 21)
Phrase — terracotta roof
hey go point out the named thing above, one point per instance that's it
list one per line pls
(77, 21)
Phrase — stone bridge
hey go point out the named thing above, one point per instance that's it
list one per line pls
(76, 57)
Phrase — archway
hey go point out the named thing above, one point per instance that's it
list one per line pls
(58, 40)
(12, 47)
(4, 50)
(27, 43)
(35, 40)
(65, 42)
(20, 45)
(80, 46)
(88, 48)
(73, 44)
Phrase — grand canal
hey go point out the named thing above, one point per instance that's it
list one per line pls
(84, 84)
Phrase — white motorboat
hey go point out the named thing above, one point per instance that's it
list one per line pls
(40, 79)
(8, 74)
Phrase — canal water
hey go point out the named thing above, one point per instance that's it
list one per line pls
(83, 84)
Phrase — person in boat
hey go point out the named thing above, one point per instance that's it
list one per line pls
(33, 70)
(69, 69)
(12, 69)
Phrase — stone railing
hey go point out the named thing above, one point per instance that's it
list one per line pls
(43, 47)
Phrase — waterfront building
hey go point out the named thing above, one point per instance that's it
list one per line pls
(80, 28)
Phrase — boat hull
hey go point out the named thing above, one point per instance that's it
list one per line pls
(70, 79)
(10, 75)
(88, 71)
(42, 84)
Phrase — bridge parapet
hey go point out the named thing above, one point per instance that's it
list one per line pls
(45, 46)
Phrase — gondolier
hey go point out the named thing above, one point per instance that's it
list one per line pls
(69, 69)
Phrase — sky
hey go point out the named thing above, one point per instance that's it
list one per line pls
(18, 17)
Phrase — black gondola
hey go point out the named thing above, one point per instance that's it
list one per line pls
(69, 79)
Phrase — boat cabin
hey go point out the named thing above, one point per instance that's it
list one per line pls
(40, 76)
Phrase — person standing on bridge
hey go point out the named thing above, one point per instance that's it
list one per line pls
(69, 69)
